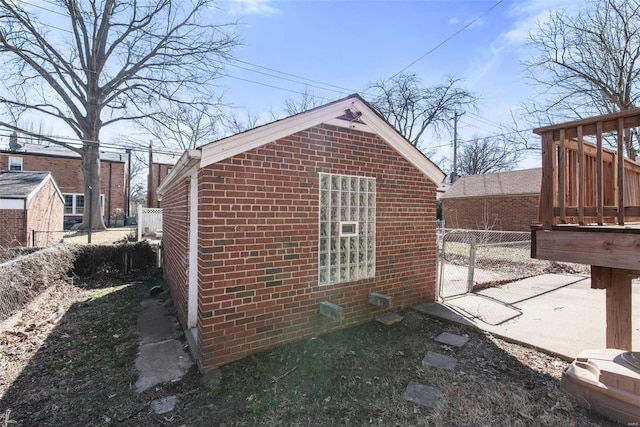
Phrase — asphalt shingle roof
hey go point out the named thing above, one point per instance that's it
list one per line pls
(19, 183)
(497, 184)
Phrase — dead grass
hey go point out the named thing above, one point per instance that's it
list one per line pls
(28, 275)
(78, 369)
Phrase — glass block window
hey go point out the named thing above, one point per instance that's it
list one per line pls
(347, 228)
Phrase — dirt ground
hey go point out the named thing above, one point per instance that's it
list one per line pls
(103, 237)
(68, 359)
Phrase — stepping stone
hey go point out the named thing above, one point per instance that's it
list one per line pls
(422, 395)
(389, 318)
(438, 360)
(452, 339)
(164, 405)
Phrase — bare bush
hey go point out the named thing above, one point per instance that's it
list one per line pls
(27, 276)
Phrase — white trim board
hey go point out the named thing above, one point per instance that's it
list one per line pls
(368, 121)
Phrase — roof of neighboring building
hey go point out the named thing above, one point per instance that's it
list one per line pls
(21, 184)
(59, 151)
(164, 158)
(519, 182)
(351, 112)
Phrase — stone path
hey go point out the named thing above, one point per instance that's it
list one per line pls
(161, 356)
(426, 395)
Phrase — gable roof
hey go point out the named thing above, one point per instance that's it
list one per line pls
(53, 150)
(519, 182)
(24, 185)
(351, 112)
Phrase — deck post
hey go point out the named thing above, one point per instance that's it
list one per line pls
(619, 310)
(547, 190)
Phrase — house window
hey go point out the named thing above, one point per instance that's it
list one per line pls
(79, 204)
(347, 228)
(15, 163)
(68, 204)
(74, 204)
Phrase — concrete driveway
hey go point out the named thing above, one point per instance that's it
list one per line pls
(559, 314)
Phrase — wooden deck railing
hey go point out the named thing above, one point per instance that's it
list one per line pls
(582, 181)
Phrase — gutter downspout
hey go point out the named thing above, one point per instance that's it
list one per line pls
(24, 221)
(109, 204)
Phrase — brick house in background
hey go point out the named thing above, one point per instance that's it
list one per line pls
(300, 227)
(505, 201)
(66, 170)
(161, 165)
(30, 201)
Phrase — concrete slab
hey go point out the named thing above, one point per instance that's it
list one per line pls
(561, 314)
(389, 318)
(444, 312)
(161, 356)
(452, 339)
(422, 395)
(161, 362)
(154, 323)
(488, 310)
(441, 361)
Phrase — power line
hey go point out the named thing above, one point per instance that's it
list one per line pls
(450, 37)
(341, 89)
(135, 146)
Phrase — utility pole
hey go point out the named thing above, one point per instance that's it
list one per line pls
(150, 176)
(454, 173)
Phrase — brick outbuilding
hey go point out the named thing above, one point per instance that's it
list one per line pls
(505, 201)
(309, 224)
(31, 209)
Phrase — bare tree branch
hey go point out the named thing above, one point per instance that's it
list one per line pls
(485, 155)
(109, 61)
(412, 108)
(588, 63)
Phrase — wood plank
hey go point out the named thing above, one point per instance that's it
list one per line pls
(605, 249)
(620, 171)
(562, 174)
(631, 120)
(599, 177)
(619, 332)
(600, 277)
(547, 183)
(580, 176)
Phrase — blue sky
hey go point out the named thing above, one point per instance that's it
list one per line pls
(337, 47)
(352, 43)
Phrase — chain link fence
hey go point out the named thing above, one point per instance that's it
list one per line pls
(108, 236)
(476, 259)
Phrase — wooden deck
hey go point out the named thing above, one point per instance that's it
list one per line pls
(590, 209)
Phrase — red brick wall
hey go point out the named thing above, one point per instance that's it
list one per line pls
(12, 231)
(156, 176)
(175, 245)
(506, 213)
(68, 175)
(258, 241)
(45, 214)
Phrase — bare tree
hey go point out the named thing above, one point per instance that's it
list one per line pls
(485, 155)
(588, 62)
(412, 108)
(105, 62)
(233, 123)
(183, 127)
(305, 101)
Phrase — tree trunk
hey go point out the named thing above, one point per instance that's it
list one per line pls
(91, 174)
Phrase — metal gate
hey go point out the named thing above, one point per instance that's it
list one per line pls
(455, 246)
(480, 258)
